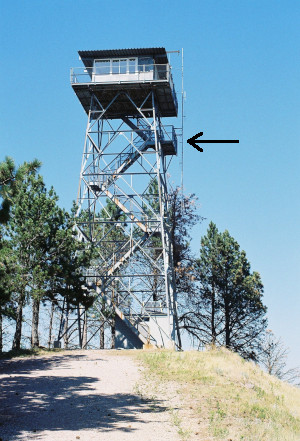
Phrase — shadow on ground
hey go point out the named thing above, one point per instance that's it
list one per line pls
(24, 365)
(59, 403)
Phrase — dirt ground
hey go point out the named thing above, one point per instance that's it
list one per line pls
(79, 395)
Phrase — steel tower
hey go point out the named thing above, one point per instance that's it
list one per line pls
(123, 190)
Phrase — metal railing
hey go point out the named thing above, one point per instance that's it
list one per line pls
(169, 134)
(154, 307)
(144, 72)
(127, 157)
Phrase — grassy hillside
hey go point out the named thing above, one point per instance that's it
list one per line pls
(226, 398)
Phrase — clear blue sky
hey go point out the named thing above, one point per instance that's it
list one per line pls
(241, 81)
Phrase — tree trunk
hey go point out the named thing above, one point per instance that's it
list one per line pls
(113, 333)
(66, 325)
(51, 325)
(79, 327)
(102, 326)
(102, 335)
(227, 325)
(35, 323)
(177, 324)
(84, 332)
(19, 319)
(213, 312)
(1, 333)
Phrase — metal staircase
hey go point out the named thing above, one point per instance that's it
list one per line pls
(120, 164)
(105, 274)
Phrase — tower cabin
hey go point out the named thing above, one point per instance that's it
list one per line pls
(115, 79)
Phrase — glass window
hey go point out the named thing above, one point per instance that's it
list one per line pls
(102, 67)
(145, 64)
(123, 66)
(115, 66)
(131, 65)
(161, 71)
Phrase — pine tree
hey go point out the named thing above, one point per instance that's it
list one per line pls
(227, 309)
(34, 220)
(202, 315)
(182, 218)
(240, 300)
(46, 252)
(10, 179)
(69, 261)
(6, 274)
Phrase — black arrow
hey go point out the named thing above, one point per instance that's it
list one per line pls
(194, 141)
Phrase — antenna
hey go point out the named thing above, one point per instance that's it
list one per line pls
(182, 120)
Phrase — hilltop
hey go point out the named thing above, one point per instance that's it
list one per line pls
(151, 395)
(217, 395)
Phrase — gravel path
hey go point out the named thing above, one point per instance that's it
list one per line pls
(78, 395)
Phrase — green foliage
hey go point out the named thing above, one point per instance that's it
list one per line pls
(10, 179)
(183, 217)
(68, 260)
(47, 253)
(228, 308)
(41, 250)
(35, 219)
(6, 276)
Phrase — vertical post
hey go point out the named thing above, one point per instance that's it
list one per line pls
(162, 213)
(102, 329)
(84, 338)
(66, 326)
(51, 325)
(1, 332)
(61, 324)
(182, 121)
(79, 327)
(19, 320)
(113, 321)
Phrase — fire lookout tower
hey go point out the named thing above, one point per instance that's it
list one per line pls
(123, 195)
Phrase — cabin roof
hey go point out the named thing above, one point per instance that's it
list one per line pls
(158, 53)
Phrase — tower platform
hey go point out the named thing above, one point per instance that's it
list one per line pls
(133, 74)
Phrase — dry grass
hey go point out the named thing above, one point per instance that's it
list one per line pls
(227, 397)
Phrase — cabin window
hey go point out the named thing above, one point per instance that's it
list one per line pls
(145, 64)
(116, 66)
(102, 67)
(123, 66)
(119, 66)
(132, 65)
